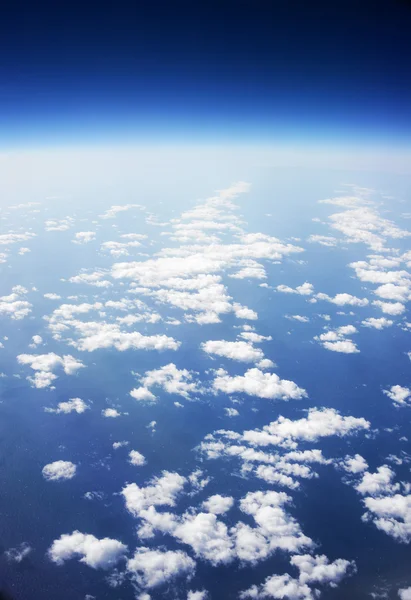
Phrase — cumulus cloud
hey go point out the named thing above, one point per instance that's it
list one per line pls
(378, 483)
(136, 458)
(218, 505)
(405, 593)
(380, 323)
(306, 289)
(112, 212)
(59, 224)
(45, 364)
(84, 237)
(399, 395)
(314, 570)
(61, 469)
(15, 305)
(299, 318)
(151, 568)
(197, 595)
(354, 464)
(111, 413)
(390, 308)
(324, 240)
(73, 405)
(336, 340)
(171, 379)
(391, 514)
(343, 299)
(161, 491)
(239, 350)
(97, 554)
(19, 553)
(256, 383)
(319, 423)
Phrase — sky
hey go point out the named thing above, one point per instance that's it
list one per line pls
(205, 274)
(265, 71)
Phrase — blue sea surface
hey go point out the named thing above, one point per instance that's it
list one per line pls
(329, 510)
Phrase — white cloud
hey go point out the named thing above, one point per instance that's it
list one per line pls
(319, 423)
(13, 305)
(343, 299)
(197, 595)
(239, 350)
(95, 553)
(136, 458)
(170, 379)
(111, 413)
(256, 383)
(73, 405)
(59, 224)
(306, 289)
(162, 491)
(13, 238)
(354, 464)
(44, 365)
(405, 594)
(218, 505)
(378, 483)
(344, 346)
(151, 568)
(96, 279)
(279, 586)
(365, 225)
(299, 318)
(84, 237)
(313, 570)
(117, 445)
(231, 412)
(112, 212)
(318, 569)
(96, 335)
(18, 554)
(391, 514)
(52, 296)
(61, 469)
(380, 323)
(390, 308)
(336, 341)
(399, 395)
(36, 340)
(324, 240)
(142, 394)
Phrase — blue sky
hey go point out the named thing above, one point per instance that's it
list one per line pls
(327, 72)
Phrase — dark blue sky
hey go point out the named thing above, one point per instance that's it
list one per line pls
(245, 70)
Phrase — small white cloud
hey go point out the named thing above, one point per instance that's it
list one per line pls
(377, 323)
(84, 237)
(256, 383)
(218, 505)
(399, 395)
(136, 458)
(306, 289)
(390, 308)
(117, 445)
(240, 351)
(111, 413)
(18, 554)
(61, 469)
(73, 405)
(95, 553)
(151, 568)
